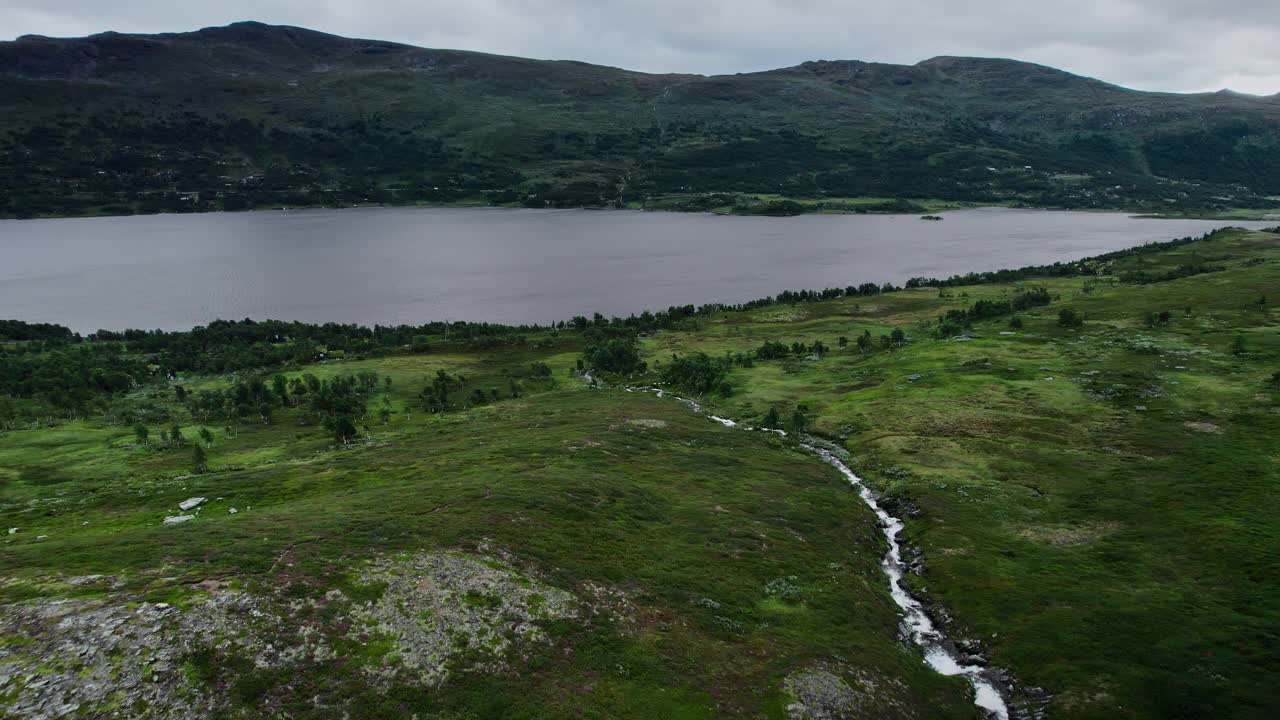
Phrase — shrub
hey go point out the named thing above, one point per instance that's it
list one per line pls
(696, 373)
(729, 624)
(949, 327)
(199, 459)
(619, 355)
(784, 588)
(983, 309)
(772, 351)
(1069, 318)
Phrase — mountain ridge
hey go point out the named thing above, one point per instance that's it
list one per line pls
(252, 29)
(374, 121)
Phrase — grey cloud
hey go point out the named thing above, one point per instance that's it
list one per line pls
(1172, 45)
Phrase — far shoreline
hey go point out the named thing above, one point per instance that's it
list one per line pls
(914, 207)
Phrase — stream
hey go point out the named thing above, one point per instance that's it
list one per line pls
(939, 653)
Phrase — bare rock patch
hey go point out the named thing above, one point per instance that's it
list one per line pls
(835, 691)
(112, 658)
(440, 609)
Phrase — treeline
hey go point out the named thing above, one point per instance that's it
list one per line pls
(679, 317)
(58, 373)
(19, 331)
(67, 380)
(775, 350)
(955, 321)
(1095, 265)
(1146, 277)
(66, 374)
(230, 345)
(248, 345)
(225, 345)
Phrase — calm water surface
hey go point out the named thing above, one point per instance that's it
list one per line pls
(412, 265)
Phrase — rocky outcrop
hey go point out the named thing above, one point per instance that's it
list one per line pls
(438, 607)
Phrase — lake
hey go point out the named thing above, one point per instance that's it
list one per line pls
(413, 265)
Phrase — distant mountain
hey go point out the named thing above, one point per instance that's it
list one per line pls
(250, 115)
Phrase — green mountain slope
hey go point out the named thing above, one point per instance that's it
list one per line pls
(251, 114)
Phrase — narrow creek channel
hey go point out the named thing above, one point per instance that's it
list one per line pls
(939, 653)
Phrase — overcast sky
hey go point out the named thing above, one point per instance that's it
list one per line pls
(1173, 45)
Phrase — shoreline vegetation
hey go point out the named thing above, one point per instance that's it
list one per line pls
(740, 204)
(416, 338)
(1082, 454)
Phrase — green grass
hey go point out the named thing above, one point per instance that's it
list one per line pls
(669, 515)
(1096, 506)
(1119, 552)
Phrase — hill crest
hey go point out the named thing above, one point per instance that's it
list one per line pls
(117, 119)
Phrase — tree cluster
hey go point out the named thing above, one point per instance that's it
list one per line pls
(956, 321)
(698, 373)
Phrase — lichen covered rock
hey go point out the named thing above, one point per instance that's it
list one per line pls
(836, 691)
(451, 611)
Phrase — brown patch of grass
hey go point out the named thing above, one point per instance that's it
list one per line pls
(1067, 536)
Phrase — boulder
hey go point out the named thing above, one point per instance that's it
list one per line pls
(190, 503)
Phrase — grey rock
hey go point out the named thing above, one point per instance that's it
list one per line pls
(446, 609)
(190, 503)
